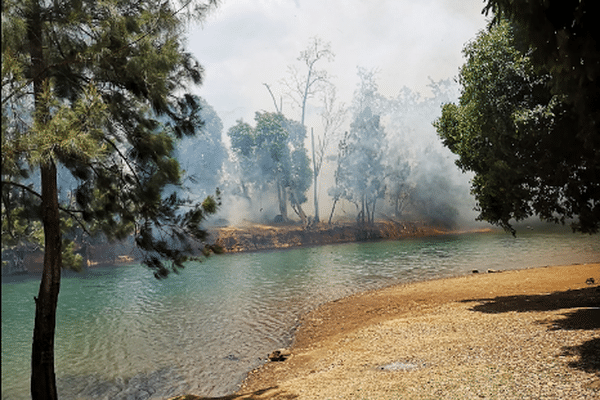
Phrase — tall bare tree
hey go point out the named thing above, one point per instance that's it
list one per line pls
(332, 119)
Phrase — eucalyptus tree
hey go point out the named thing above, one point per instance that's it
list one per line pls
(308, 82)
(332, 118)
(519, 138)
(272, 156)
(360, 173)
(202, 156)
(97, 90)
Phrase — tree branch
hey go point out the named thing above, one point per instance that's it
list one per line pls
(21, 186)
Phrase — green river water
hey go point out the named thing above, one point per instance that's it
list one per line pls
(122, 334)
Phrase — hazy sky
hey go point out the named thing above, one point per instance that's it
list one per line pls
(245, 43)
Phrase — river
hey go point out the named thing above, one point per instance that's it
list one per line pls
(123, 334)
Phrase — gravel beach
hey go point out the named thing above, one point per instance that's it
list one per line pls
(524, 334)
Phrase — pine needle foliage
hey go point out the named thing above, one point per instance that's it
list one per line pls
(112, 94)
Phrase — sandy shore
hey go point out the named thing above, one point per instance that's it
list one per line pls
(525, 334)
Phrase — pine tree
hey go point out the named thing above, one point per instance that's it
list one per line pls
(96, 90)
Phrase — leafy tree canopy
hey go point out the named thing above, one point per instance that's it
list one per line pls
(273, 152)
(564, 38)
(519, 137)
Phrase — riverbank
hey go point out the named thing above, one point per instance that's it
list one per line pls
(256, 237)
(532, 333)
(245, 238)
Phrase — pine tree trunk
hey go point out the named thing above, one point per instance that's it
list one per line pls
(43, 380)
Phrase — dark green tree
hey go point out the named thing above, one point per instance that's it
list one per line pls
(519, 137)
(97, 90)
(564, 38)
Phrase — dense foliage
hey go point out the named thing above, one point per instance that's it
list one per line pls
(272, 158)
(564, 38)
(520, 137)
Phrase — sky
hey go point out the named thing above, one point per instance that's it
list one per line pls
(246, 43)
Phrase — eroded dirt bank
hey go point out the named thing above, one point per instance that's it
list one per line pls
(267, 237)
(250, 237)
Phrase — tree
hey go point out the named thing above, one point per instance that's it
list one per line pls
(564, 38)
(360, 175)
(517, 136)
(418, 169)
(273, 154)
(303, 86)
(307, 84)
(202, 156)
(332, 118)
(97, 90)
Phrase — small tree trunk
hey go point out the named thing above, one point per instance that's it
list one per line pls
(298, 208)
(335, 200)
(43, 380)
(373, 211)
(362, 211)
(315, 176)
(282, 196)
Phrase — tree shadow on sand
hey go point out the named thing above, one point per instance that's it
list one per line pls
(581, 312)
(248, 396)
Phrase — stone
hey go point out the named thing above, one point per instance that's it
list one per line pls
(280, 355)
(398, 366)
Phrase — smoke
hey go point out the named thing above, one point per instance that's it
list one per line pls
(245, 44)
(202, 157)
(421, 180)
(416, 178)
